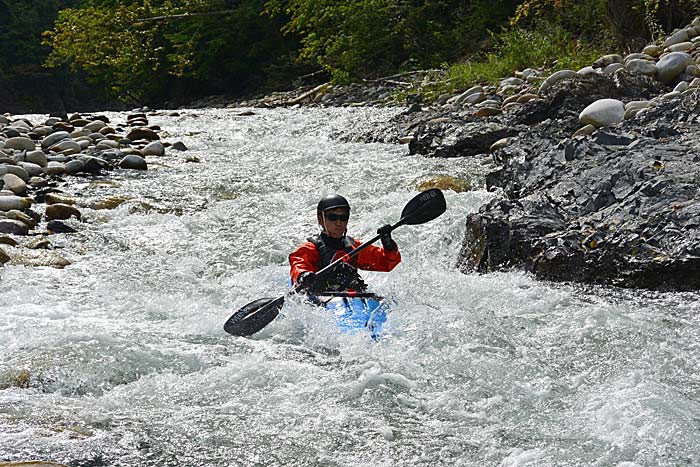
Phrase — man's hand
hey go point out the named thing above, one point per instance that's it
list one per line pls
(306, 280)
(388, 243)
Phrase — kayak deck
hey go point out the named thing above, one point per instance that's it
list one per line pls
(355, 312)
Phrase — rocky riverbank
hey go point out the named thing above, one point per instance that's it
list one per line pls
(597, 169)
(42, 161)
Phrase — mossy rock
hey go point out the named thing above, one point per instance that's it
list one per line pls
(110, 203)
(444, 182)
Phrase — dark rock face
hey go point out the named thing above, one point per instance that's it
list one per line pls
(621, 207)
(437, 138)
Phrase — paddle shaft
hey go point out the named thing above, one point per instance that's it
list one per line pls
(356, 251)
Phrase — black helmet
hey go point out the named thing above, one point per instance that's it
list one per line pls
(331, 202)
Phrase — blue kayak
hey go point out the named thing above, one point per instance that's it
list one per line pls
(355, 312)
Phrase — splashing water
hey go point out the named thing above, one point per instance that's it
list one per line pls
(120, 358)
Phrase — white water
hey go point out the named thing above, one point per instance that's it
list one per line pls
(128, 365)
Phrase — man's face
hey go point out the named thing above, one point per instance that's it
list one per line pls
(336, 222)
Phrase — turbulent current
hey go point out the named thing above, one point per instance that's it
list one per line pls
(120, 359)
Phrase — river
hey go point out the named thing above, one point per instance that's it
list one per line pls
(120, 359)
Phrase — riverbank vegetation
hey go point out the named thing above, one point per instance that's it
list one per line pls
(173, 51)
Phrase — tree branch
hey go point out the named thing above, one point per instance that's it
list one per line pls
(185, 16)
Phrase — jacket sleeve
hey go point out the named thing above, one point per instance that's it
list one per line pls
(374, 258)
(305, 258)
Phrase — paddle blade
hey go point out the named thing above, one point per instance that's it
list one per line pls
(254, 316)
(425, 207)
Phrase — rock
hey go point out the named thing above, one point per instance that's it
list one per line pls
(20, 143)
(603, 112)
(637, 105)
(53, 198)
(612, 68)
(556, 77)
(55, 168)
(37, 182)
(677, 38)
(38, 244)
(447, 140)
(107, 144)
(682, 47)
(585, 130)
(33, 170)
(639, 66)
(15, 184)
(8, 203)
(5, 240)
(14, 227)
(672, 65)
(133, 162)
(587, 70)
(54, 138)
(59, 227)
(179, 146)
(4, 257)
(607, 60)
(444, 182)
(36, 157)
(75, 166)
(680, 87)
(95, 126)
(22, 217)
(11, 132)
(67, 147)
(21, 172)
(61, 211)
(653, 50)
(501, 143)
(155, 148)
(37, 258)
(487, 111)
(142, 133)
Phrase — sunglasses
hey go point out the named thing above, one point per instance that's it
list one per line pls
(337, 217)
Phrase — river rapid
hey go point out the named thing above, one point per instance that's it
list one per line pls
(120, 359)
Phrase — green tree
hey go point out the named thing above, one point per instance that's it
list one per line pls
(353, 39)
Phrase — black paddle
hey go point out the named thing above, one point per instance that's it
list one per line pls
(250, 319)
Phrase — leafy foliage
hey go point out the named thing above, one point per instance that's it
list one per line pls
(148, 50)
(352, 39)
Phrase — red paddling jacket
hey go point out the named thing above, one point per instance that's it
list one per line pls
(321, 250)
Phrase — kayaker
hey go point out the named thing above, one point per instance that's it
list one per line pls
(333, 213)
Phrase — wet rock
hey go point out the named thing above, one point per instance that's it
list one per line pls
(60, 211)
(449, 139)
(14, 227)
(59, 227)
(133, 162)
(142, 133)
